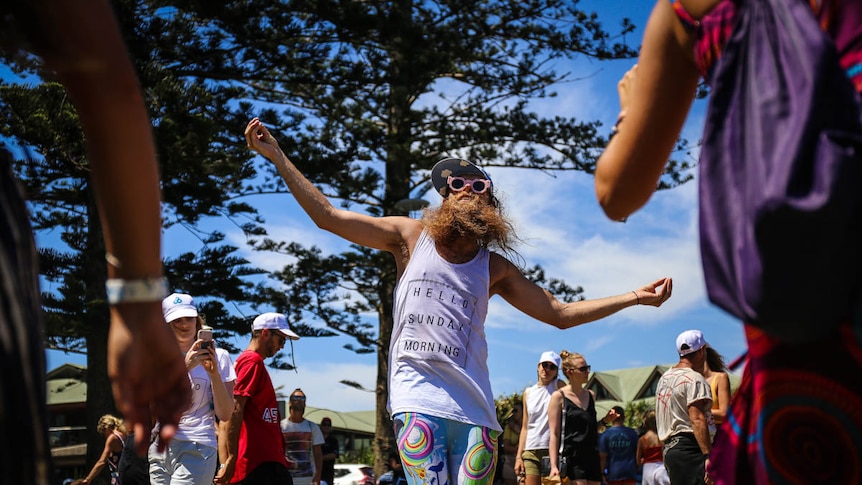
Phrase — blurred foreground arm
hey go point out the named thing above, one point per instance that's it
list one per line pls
(655, 98)
(145, 367)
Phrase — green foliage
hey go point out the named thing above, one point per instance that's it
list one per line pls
(364, 456)
(635, 411)
(505, 405)
(363, 96)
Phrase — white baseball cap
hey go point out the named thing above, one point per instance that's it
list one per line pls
(178, 305)
(689, 342)
(550, 356)
(274, 321)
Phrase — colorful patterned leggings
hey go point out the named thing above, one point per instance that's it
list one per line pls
(437, 451)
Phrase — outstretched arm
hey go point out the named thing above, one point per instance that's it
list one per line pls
(91, 62)
(656, 96)
(384, 233)
(103, 459)
(538, 303)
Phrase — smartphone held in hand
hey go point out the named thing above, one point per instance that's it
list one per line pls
(205, 334)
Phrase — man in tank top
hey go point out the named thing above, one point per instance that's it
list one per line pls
(449, 264)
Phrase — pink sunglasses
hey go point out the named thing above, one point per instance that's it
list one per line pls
(478, 186)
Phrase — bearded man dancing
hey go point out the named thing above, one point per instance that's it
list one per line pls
(439, 389)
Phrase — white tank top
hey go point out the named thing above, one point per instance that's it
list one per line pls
(537, 399)
(438, 353)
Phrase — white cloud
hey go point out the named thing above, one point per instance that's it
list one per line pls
(320, 380)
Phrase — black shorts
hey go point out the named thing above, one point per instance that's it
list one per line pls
(684, 461)
(269, 473)
(585, 464)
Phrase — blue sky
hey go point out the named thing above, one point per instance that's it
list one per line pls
(566, 232)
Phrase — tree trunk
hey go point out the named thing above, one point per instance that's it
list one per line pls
(100, 398)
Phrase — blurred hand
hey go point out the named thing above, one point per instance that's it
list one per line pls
(147, 372)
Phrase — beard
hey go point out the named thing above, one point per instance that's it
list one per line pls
(470, 218)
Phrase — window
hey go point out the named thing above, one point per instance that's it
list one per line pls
(601, 393)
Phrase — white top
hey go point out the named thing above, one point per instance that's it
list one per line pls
(678, 388)
(536, 399)
(438, 355)
(198, 422)
(299, 441)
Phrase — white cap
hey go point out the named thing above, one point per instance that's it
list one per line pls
(550, 356)
(274, 321)
(689, 342)
(178, 305)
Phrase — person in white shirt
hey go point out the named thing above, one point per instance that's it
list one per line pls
(683, 413)
(191, 457)
(447, 268)
(302, 442)
(535, 434)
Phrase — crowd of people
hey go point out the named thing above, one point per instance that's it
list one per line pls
(440, 398)
(554, 422)
(560, 426)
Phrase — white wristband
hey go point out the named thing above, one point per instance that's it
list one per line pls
(136, 291)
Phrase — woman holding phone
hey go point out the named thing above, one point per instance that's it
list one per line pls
(192, 456)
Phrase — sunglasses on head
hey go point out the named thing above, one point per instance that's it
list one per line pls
(478, 186)
(548, 366)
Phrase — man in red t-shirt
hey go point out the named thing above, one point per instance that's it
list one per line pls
(255, 446)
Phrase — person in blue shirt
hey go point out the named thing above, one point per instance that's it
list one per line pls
(395, 475)
(617, 448)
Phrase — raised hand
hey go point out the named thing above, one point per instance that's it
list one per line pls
(258, 138)
(147, 372)
(655, 293)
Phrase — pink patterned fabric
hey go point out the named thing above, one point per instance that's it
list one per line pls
(796, 415)
(842, 19)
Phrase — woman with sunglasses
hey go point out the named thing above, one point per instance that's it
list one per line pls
(448, 265)
(535, 433)
(575, 405)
